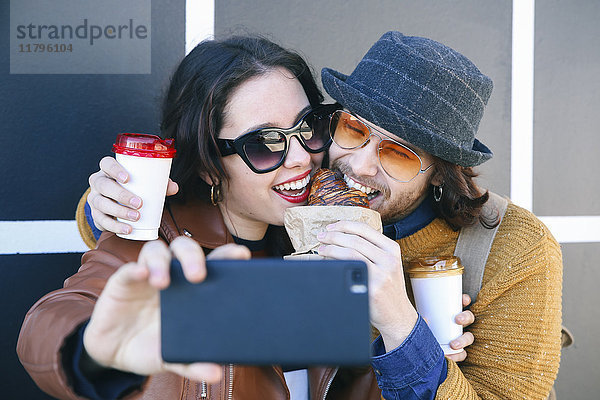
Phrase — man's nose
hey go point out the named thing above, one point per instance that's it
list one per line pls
(296, 156)
(364, 160)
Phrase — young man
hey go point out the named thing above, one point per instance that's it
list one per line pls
(406, 136)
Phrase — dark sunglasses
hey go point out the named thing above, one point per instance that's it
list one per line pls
(398, 161)
(264, 150)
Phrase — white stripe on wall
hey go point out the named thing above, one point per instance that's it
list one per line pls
(574, 229)
(199, 22)
(521, 164)
(35, 237)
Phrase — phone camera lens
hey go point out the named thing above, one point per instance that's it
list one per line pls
(357, 276)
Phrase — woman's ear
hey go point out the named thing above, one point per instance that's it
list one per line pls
(206, 178)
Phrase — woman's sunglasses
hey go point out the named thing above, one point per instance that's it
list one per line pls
(264, 150)
(398, 161)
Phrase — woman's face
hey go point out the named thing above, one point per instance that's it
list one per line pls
(251, 201)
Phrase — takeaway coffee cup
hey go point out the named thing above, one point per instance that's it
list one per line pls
(437, 288)
(147, 159)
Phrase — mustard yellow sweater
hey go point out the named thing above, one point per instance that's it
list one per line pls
(517, 326)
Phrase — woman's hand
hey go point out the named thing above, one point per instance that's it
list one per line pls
(124, 330)
(108, 199)
(465, 319)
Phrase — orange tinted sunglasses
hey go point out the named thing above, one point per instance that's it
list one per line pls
(398, 161)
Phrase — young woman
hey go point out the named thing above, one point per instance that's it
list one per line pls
(98, 337)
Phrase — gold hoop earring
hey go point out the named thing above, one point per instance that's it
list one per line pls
(215, 194)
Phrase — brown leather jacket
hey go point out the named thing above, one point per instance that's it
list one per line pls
(57, 315)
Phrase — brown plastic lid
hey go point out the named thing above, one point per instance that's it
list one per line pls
(432, 267)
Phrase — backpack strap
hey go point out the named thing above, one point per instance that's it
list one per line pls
(473, 247)
(474, 244)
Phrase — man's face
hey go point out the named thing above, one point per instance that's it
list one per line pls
(361, 168)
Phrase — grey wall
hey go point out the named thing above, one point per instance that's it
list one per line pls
(566, 165)
(567, 100)
(337, 33)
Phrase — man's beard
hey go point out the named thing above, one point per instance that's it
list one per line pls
(392, 211)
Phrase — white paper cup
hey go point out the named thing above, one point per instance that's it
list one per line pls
(437, 289)
(147, 159)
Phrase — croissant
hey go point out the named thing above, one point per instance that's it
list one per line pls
(329, 189)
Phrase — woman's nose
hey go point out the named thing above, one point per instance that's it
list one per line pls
(296, 156)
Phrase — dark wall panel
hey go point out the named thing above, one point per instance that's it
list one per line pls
(24, 280)
(54, 130)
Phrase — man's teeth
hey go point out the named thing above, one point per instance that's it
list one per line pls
(353, 184)
(299, 184)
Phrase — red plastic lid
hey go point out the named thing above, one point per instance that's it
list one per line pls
(144, 145)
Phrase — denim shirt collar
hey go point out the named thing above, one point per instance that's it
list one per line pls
(418, 219)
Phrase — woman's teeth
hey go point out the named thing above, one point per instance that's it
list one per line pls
(295, 185)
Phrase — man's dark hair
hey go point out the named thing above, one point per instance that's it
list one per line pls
(462, 200)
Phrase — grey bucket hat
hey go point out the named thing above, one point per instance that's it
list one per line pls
(420, 90)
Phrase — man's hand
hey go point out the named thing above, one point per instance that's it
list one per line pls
(391, 311)
(465, 319)
(124, 330)
(108, 199)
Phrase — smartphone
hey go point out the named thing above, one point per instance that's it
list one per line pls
(268, 311)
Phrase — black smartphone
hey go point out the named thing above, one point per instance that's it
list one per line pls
(268, 311)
